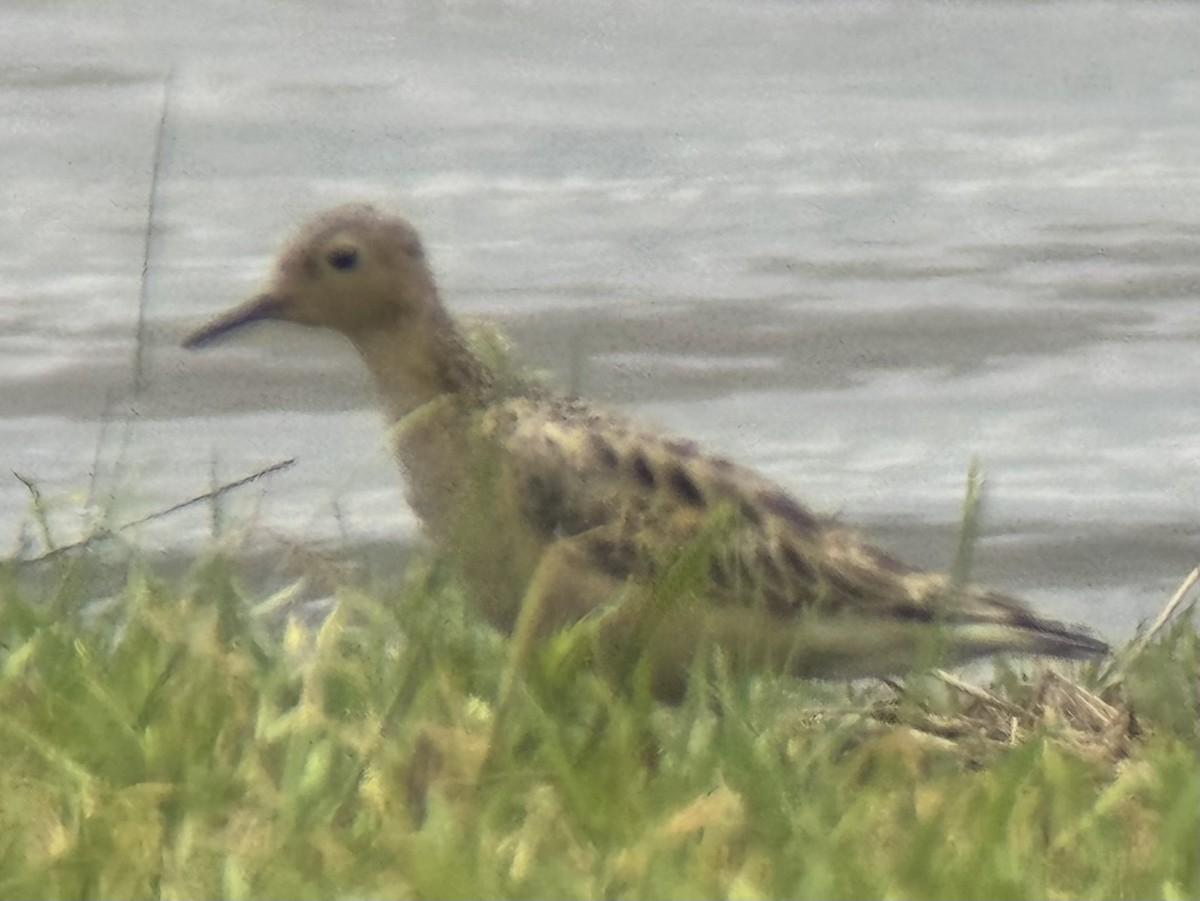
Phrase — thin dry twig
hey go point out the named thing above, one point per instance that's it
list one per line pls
(39, 508)
(174, 508)
(980, 694)
(1114, 669)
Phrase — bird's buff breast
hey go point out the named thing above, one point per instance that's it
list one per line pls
(470, 502)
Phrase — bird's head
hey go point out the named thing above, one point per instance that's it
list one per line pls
(351, 268)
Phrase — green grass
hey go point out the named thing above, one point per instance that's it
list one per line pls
(178, 741)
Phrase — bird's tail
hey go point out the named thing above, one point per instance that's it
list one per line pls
(985, 622)
(865, 644)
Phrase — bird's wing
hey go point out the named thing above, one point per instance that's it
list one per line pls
(636, 500)
(637, 497)
(644, 495)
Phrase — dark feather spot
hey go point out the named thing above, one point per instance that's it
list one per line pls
(851, 587)
(911, 613)
(718, 573)
(796, 562)
(604, 451)
(642, 471)
(750, 514)
(787, 509)
(768, 565)
(778, 601)
(543, 503)
(612, 557)
(683, 485)
(889, 564)
(681, 447)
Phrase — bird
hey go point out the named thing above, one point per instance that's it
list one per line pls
(563, 514)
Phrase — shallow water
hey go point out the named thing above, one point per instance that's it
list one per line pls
(854, 245)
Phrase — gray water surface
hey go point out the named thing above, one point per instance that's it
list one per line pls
(853, 245)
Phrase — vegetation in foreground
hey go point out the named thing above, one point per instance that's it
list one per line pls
(180, 739)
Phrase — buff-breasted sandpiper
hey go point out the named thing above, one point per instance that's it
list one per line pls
(553, 505)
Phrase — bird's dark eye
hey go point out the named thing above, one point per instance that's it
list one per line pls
(343, 258)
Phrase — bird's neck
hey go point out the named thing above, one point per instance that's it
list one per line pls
(414, 361)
